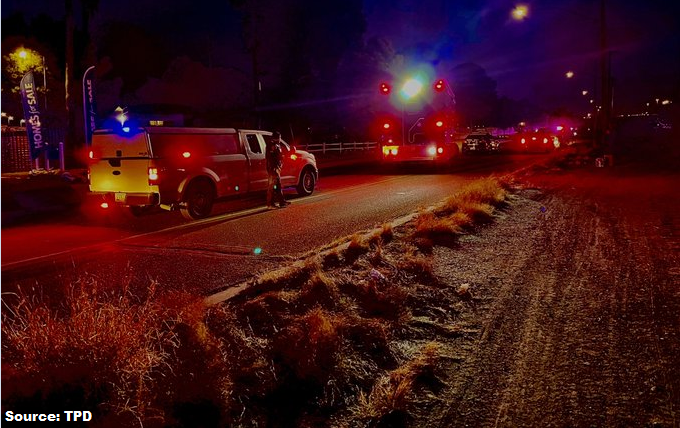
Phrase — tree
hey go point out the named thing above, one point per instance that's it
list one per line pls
(19, 62)
(476, 96)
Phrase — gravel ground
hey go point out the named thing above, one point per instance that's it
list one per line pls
(575, 309)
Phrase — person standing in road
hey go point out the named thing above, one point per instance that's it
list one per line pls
(274, 158)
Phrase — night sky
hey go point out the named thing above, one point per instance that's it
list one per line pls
(527, 59)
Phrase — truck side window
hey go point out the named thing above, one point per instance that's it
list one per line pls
(253, 143)
(226, 145)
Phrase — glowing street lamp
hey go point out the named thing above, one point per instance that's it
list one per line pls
(411, 88)
(520, 12)
(569, 74)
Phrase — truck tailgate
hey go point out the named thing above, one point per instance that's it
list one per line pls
(121, 175)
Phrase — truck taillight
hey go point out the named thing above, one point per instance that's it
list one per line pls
(153, 176)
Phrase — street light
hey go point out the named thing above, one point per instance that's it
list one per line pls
(24, 55)
(520, 12)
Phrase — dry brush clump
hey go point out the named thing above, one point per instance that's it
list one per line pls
(357, 247)
(391, 400)
(486, 191)
(107, 352)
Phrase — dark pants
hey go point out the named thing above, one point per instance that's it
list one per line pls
(274, 190)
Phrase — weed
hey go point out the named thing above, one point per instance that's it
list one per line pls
(393, 393)
(382, 236)
(427, 225)
(320, 290)
(309, 345)
(112, 346)
(357, 247)
(331, 259)
(419, 265)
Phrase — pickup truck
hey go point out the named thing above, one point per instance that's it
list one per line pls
(188, 168)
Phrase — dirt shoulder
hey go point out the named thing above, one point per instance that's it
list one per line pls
(577, 305)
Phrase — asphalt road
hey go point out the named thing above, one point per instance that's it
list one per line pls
(113, 249)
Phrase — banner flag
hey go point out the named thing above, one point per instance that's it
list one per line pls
(89, 106)
(29, 98)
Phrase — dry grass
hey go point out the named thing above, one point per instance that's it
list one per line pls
(486, 191)
(357, 247)
(382, 236)
(418, 264)
(112, 346)
(309, 345)
(321, 290)
(393, 394)
(292, 276)
(428, 225)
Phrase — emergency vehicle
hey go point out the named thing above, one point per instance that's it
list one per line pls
(188, 168)
(415, 121)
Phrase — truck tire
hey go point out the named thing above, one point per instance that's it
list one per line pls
(307, 182)
(198, 200)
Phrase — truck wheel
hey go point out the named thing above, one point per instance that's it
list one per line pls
(307, 182)
(198, 200)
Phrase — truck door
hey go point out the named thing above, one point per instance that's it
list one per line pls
(255, 147)
(228, 163)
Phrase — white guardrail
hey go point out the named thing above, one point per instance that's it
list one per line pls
(340, 147)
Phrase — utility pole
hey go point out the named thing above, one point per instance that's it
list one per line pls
(605, 115)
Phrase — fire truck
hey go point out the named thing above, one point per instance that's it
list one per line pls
(415, 120)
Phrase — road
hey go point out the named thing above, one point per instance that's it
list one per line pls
(217, 252)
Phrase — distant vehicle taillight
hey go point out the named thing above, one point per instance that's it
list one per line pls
(153, 176)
